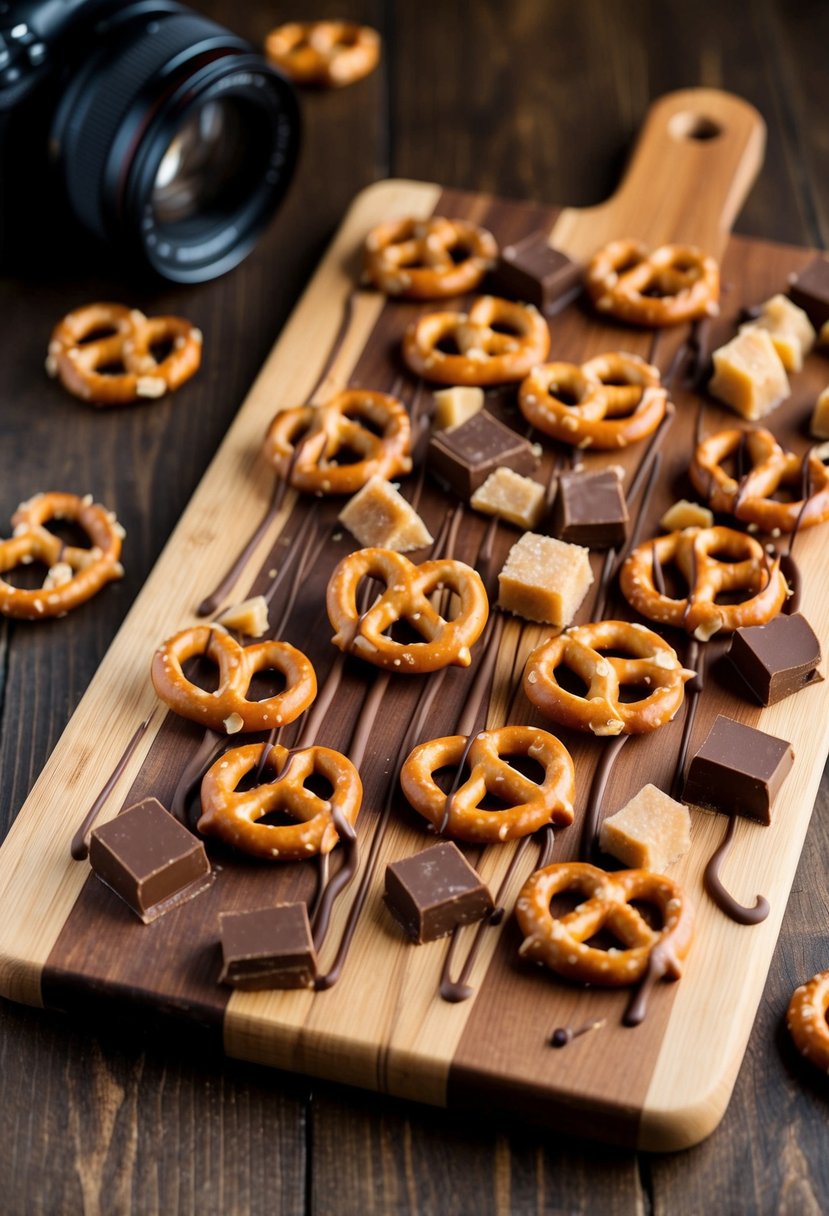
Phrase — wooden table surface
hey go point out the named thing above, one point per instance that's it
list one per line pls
(525, 99)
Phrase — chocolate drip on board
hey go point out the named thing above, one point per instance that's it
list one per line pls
(726, 902)
(788, 563)
(79, 849)
(333, 886)
(339, 338)
(592, 814)
(211, 747)
(662, 960)
(696, 660)
(563, 1035)
(212, 601)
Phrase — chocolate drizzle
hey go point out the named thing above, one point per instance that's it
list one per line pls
(563, 1035)
(788, 564)
(696, 660)
(212, 601)
(331, 888)
(662, 960)
(592, 814)
(208, 751)
(723, 899)
(339, 338)
(79, 848)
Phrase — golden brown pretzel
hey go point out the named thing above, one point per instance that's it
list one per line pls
(74, 574)
(609, 402)
(806, 1020)
(485, 354)
(405, 597)
(561, 943)
(653, 665)
(228, 709)
(667, 286)
(302, 443)
(233, 815)
(769, 466)
(694, 551)
(428, 259)
(326, 53)
(532, 805)
(77, 354)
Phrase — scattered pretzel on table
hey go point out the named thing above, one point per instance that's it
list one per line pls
(666, 286)
(806, 1020)
(561, 943)
(428, 259)
(303, 442)
(405, 597)
(100, 336)
(496, 342)
(74, 574)
(609, 402)
(770, 467)
(228, 709)
(649, 663)
(233, 815)
(325, 53)
(694, 551)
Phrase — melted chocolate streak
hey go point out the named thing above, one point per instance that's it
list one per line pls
(662, 962)
(79, 848)
(697, 661)
(723, 899)
(592, 814)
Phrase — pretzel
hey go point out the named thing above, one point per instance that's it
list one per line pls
(233, 815)
(532, 805)
(560, 942)
(349, 420)
(326, 53)
(672, 284)
(485, 354)
(806, 1020)
(428, 259)
(228, 709)
(609, 402)
(405, 598)
(74, 574)
(771, 466)
(747, 567)
(653, 665)
(99, 336)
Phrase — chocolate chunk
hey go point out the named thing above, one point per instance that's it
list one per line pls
(738, 770)
(810, 290)
(268, 948)
(435, 891)
(465, 456)
(778, 658)
(590, 509)
(537, 273)
(147, 858)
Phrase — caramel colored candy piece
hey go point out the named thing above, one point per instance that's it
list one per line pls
(686, 514)
(749, 375)
(819, 425)
(544, 579)
(823, 339)
(520, 500)
(650, 833)
(250, 617)
(454, 405)
(380, 517)
(789, 328)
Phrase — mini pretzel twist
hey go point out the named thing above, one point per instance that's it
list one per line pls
(428, 259)
(74, 573)
(496, 342)
(531, 805)
(667, 286)
(806, 1020)
(326, 53)
(233, 815)
(770, 467)
(560, 942)
(652, 666)
(406, 598)
(609, 402)
(696, 552)
(77, 356)
(303, 443)
(228, 709)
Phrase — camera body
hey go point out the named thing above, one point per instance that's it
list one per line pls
(141, 126)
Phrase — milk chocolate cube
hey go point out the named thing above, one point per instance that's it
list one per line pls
(536, 272)
(776, 659)
(465, 456)
(590, 509)
(544, 579)
(433, 892)
(268, 948)
(810, 290)
(649, 833)
(749, 375)
(738, 770)
(149, 859)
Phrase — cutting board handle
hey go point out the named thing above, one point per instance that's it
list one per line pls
(695, 161)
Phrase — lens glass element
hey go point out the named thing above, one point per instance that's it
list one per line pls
(201, 163)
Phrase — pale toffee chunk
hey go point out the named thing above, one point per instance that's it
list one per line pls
(378, 516)
(649, 833)
(507, 494)
(749, 375)
(544, 579)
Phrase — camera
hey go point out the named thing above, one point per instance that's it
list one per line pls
(142, 126)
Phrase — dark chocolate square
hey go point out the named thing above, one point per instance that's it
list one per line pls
(464, 456)
(738, 770)
(433, 892)
(776, 659)
(590, 509)
(809, 290)
(149, 859)
(268, 948)
(535, 272)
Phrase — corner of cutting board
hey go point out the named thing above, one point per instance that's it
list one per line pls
(673, 1128)
(393, 197)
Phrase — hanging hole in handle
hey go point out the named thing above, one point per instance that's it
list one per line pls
(688, 125)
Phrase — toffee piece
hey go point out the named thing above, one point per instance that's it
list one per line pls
(537, 273)
(435, 891)
(544, 579)
(649, 833)
(519, 500)
(778, 658)
(590, 509)
(810, 290)
(379, 515)
(749, 375)
(738, 770)
(465, 456)
(819, 425)
(268, 948)
(149, 859)
(453, 406)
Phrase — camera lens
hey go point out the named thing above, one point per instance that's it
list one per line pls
(175, 141)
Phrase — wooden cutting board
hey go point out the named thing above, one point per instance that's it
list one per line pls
(65, 940)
